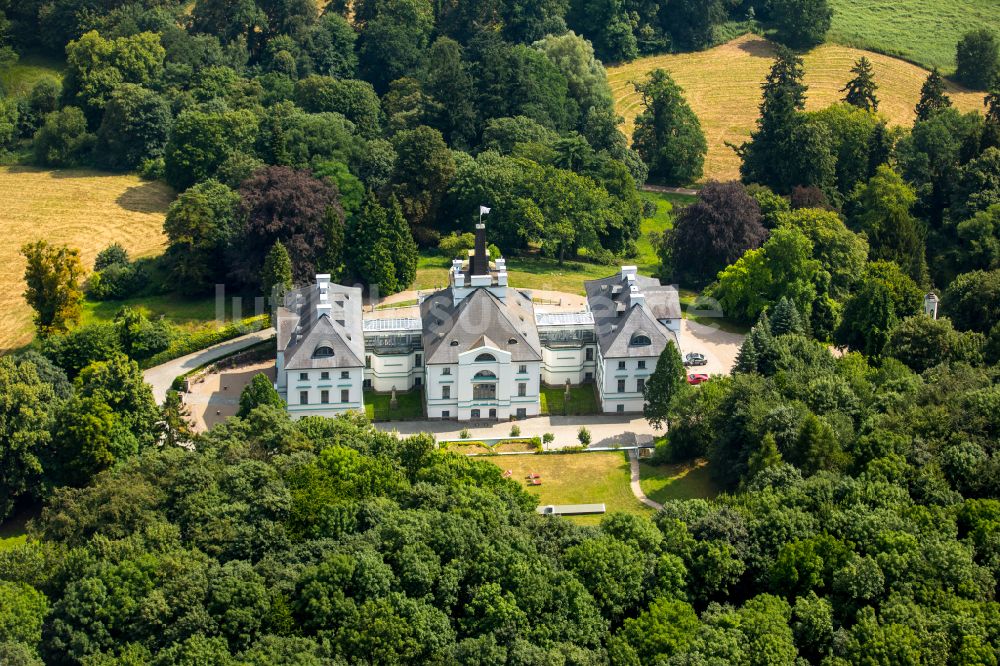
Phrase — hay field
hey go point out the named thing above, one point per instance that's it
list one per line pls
(722, 85)
(81, 208)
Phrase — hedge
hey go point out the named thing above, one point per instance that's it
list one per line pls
(192, 342)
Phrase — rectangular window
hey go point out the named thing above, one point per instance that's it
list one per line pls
(345, 395)
(446, 371)
(640, 385)
(324, 397)
(418, 360)
(303, 397)
(621, 365)
(446, 393)
(642, 365)
(445, 414)
(522, 390)
(474, 414)
(303, 376)
(621, 385)
(590, 353)
(324, 375)
(621, 409)
(523, 370)
(522, 412)
(345, 374)
(368, 362)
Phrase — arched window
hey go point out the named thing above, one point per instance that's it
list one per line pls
(640, 340)
(485, 374)
(486, 358)
(324, 351)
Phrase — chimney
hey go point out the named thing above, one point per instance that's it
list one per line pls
(480, 259)
(323, 306)
(636, 297)
(629, 273)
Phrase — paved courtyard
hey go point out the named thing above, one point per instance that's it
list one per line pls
(215, 397)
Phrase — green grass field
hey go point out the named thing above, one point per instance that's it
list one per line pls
(18, 79)
(577, 478)
(582, 400)
(663, 483)
(410, 405)
(186, 314)
(921, 31)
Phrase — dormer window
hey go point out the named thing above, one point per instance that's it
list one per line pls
(324, 351)
(640, 340)
(512, 341)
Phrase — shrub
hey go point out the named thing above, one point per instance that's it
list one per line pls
(584, 436)
(112, 254)
(116, 282)
(465, 434)
(187, 344)
(515, 431)
(548, 438)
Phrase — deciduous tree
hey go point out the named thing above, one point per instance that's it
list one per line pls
(977, 57)
(53, 276)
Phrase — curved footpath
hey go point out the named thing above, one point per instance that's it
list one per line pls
(633, 458)
(161, 377)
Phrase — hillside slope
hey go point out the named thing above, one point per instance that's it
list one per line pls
(723, 87)
(82, 208)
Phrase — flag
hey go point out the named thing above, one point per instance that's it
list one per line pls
(483, 210)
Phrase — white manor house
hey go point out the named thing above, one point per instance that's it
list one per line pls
(480, 349)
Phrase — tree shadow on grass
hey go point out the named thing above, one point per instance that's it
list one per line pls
(758, 47)
(151, 197)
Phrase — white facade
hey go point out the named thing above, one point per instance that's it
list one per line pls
(324, 392)
(478, 350)
(484, 384)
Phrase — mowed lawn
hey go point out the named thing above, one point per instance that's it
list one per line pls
(82, 208)
(663, 483)
(722, 85)
(582, 400)
(923, 31)
(577, 478)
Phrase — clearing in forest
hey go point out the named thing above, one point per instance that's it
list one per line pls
(81, 208)
(722, 85)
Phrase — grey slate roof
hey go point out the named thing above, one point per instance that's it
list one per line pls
(480, 318)
(302, 328)
(617, 319)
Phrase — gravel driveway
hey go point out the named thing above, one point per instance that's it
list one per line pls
(719, 347)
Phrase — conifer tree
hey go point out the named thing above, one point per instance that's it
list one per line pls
(770, 157)
(370, 240)
(746, 359)
(932, 96)
(665, 382)
(276, 277)
(766, 456)
(860, 91)
(991, 139)
(786, 318)
(403, 246)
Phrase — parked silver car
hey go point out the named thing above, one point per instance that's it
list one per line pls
(695, 358)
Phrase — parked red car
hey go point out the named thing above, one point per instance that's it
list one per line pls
(697, 378)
